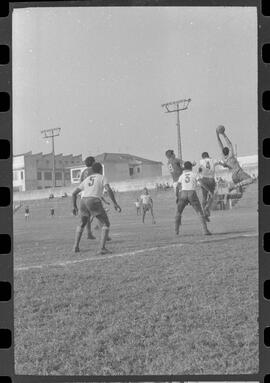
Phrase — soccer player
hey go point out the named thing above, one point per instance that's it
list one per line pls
(175, 166)
(239, 176)
(207, 181)
(92, 189)
(89, 161)
(188, 195)
(147, 204)
(52, 212)
(26, 213)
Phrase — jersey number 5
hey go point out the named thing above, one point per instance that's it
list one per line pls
(91, 181)
(187, 178)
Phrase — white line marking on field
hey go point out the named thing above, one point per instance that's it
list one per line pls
(131, 253)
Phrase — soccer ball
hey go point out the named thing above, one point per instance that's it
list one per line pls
(220, 129)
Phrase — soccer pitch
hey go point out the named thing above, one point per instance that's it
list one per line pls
(160, 304)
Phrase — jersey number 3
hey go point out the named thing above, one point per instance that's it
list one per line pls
(187, 178)
(91, 181)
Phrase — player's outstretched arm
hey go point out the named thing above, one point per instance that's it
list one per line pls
(112, 197)
(74, 201)
(219, 141)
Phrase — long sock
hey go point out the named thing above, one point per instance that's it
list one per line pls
(208, 206)
(88, 228)
(203, 224)
(177, 223)
(104, 236)
(78, 235)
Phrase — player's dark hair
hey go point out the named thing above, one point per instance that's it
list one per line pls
(205, 155)
(188, 165)
(97, 168)
(89, 161)
(169, 153)
(225, 151)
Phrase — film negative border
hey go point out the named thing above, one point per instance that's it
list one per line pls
(6, 210)
(264, 182)
(6, 302)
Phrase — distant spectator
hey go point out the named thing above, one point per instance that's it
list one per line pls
(26, 213)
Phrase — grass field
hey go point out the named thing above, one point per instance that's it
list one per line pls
(158, 305)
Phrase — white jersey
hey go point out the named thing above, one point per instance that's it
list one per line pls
(93, 186)
(208, 167)
(188, 180)
(146, 199)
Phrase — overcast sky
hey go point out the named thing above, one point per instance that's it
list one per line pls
(101, 74)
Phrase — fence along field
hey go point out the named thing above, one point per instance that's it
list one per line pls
(158, 305)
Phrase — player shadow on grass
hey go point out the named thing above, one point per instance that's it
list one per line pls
(247, 231)
(91, 249)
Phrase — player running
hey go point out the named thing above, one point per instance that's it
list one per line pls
(239, 177)
(188, 195)
(92, 189)
(147, 204)
(89, 161)
(175, 166)
(207, 181)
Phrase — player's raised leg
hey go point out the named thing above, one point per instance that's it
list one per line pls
(240, 179)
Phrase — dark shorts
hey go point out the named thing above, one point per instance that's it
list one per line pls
(189, 197)
(146, 207)
(209, 184)
(90, 206)
(240, 176)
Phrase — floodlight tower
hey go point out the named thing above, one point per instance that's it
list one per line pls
(177, 106)
(51, 133)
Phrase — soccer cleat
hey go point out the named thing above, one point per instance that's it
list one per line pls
(207, 233)
(206, 217)
(109, 239)
(104, 251)
(91, 236)
(76, 249)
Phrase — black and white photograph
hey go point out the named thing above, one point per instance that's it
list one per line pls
(135, 190)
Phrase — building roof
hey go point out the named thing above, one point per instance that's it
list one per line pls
(23, 154)
(124, 157)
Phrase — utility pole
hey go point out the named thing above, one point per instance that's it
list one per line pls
(51, 133)
(177, 106)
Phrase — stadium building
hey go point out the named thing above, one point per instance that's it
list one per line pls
(35, 171)
(123, 167)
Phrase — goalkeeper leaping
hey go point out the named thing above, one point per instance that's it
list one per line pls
(239, 176)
